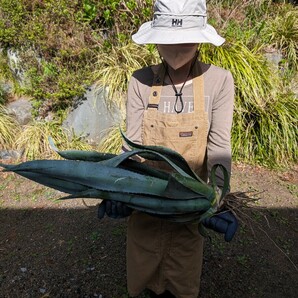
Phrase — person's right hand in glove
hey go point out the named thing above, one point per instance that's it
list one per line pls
(223, 222)
(113, 209)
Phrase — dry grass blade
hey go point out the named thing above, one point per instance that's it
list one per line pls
(114, 68)
(283, 34)
(34, 140)
(8, 129)
(113, 140)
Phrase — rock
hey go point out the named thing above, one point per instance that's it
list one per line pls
(10, 154)
(275, 57)
(6, 86)
(91, 118)
(21, 109)
(14, 63)
(42, 290)
(17, 60)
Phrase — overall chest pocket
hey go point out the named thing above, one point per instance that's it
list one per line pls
(186, 140)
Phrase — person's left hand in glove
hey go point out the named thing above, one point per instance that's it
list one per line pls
(224, 222)
(113, 209)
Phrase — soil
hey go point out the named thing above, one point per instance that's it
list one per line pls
(61, 249)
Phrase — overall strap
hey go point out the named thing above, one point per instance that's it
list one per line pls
(198, 89)
(155, 92)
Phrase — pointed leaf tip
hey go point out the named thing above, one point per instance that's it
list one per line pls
(5, 167)
(52, 144)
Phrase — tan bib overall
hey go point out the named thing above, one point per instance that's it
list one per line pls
(162, 255)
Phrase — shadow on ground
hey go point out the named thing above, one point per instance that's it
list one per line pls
(70, 253)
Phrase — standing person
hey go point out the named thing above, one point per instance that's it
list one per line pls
(185, 105)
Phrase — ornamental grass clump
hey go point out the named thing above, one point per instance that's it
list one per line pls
(264, 127)
(33, 139)
(8, 129)
(116, 66)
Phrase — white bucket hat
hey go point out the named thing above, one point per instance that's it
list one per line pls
(178, 21)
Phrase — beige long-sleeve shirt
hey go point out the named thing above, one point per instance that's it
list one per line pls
(219, 98)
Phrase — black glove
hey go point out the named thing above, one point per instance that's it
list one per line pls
(113, 209)
(224, 222)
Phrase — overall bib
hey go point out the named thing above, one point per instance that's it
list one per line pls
(163, 255)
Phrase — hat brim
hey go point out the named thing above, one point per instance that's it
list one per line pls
(152, 35)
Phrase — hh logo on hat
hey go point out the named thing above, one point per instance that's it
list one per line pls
(176, 22)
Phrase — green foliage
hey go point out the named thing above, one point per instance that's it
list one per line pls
(69, 44)
(282, 34)
(2, 96)
(5, 73)
(12, 14)
(5, 76)
(55, 90)
(118, 16)
(50, 30)
(276, 27)
(89, 11)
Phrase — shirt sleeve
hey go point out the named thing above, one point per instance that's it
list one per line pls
(134, 112)
(219, 137)
(137, 99)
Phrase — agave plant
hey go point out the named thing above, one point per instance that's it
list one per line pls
(180, 196)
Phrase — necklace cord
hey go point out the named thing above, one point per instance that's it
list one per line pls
(179, 94)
